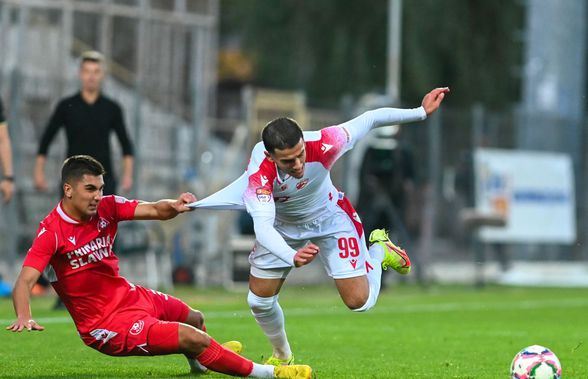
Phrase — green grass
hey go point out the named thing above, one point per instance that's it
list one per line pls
(446, 332)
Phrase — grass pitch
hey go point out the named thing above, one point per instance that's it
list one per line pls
(442, 332)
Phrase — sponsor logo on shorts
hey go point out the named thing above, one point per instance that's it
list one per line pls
(353, 263)
(137, 327)
(102, 223)
(264, 195)
(301, 184)
(368, 267)
(103, 335)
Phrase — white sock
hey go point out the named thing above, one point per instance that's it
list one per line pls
(376, 251)
(262, 371)
(270, 317)
(195, 366)
(373, 266)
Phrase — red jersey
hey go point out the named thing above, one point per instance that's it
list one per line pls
(81, 255)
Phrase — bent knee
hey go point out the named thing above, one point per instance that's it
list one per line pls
(261, 305)
(356, 302)
(193, 340)
(195, 318)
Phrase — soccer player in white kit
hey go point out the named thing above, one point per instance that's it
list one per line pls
(298, 212)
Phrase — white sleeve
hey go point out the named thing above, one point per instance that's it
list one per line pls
(268, 237)
(229, 197)
(362, 124)
(259, 201)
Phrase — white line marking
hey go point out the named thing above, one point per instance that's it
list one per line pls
(340, 310)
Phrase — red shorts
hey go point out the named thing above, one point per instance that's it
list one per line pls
(145, 324)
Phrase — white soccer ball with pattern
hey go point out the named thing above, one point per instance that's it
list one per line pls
(535, 362)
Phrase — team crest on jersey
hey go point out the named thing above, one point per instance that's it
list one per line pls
(120, 199)
(103, 334)
(301, 184)
(102, 223)
(263, 195)
(281, 199)
(137, 327)
(283, 187)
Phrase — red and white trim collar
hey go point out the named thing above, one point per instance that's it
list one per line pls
(65, 216)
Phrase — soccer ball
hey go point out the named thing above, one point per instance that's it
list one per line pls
(535, 362)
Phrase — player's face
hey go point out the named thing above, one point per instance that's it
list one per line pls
(291, 161)
(91, 75)
(84, 195)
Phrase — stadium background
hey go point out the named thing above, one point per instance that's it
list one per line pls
(198, 78)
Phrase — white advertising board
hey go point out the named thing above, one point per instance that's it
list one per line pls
(534, 191)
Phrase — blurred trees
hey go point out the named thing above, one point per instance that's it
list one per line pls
(331, 48)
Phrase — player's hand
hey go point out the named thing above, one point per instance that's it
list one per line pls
(433, 99)
(21, 324)
(185, 198)
(127, 183)
(305, 255)
(7, 189)
(40, 181)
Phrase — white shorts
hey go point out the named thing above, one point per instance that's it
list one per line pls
(339, 235)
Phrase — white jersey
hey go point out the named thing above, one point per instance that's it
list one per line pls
(296, 200)
(270, 198)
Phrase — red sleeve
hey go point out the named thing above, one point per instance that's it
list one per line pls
(43, 248)
(333, 143)
(258, 196)
(118, 207)
(261, 172)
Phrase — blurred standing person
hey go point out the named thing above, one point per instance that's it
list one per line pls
(7, 178)
(387, 186)
(388, 174)
(89, 117)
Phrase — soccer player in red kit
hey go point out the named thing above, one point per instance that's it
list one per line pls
(111, 314)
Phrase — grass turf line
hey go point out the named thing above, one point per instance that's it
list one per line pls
(444, 332)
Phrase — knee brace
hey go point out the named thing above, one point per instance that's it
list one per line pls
(261, 306)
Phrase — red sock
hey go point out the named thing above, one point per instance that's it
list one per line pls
(219, 359)
(203, 328)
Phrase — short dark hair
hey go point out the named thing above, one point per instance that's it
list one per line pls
(75, 167)
(281, 133)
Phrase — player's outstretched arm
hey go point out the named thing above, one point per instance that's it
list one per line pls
(7, 177)
(164, 209)
(358, 127)
(21, 298)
